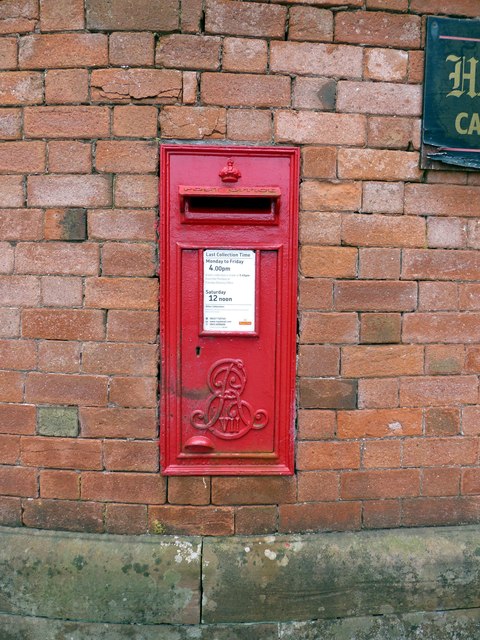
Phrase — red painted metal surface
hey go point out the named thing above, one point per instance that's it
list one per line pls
(228, 271)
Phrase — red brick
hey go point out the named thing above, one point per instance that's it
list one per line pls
(18, 16)
(48, 388)
(334, 262)
(378, 29)
(115, 358)
(59, 357)
(440, 511)
(315, 294)
(243, 54)
(442, 421)
(239, 19)
(315, 486)
(117, 423)
(10, 124)
(320, 128)
(67, 122)
(59, 258)
(329, 196)
(191, 16)
(66, 85)
(19, 291)
(381, 514)
(6, 257)
(383, 231)
(59, 484)
(459, 7)
(305, 58)
(377, 393)
(149, 15)
(438, 391)
(255, 520)
(310, 23)
(189, 490)
(143, 488)
(254, 490)
(316, 425)
(379, 98)
(468, 293)
(134, 392)
(10, 508)
(148, 85)
(248, 90)
(441, 264)
(472, 361)
(63, 324)
(17, 481)
(473, 233)
(114, 156)
(324, 228)
(470, 421)
(69, 191)
(11, 386)
(135, 121)
(379, 423)
(122, 225)
(132, 326)
(380, 328)
(319, 516)
(441, 327)
(18, 354)
(21, 87)
(121, 293)
(317, 360)
(8, 53)
(327, 393)
(375, 296)
(22, 157)
(470, 481)
(319, 162)
(9, 449)
(328, 455)
(189, 87)
(441, 200)
(328, 327)
(203, 521)
(248, 124)
(441, 482)
(182, 51)
(17, 419)
(69, 156)
(395, 5)
(63, 50)
(59, 15)
(388, 65)
(136, 191)
(194, 123)
(11, 188)
(376, 361)
(314, 93)
(416, 64)
(373, 485)
(449, 233)
(376, 164)
(121, 455)
(438, 296)
(441, 359)
(131, 49)
(377, 454)
(391, 132)
(20, 224)
(438, 452)
(60, 291)
(63, 515)
(124, 519)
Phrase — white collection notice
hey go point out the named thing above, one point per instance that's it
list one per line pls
(229, 290)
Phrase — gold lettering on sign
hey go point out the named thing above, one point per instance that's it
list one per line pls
(464, 73)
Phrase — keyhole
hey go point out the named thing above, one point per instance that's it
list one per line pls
(197, 351)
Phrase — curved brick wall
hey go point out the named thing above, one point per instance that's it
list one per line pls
(389, 350)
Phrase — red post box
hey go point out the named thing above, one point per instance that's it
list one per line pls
(228, 270)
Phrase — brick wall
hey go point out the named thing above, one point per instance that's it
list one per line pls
(389, 351)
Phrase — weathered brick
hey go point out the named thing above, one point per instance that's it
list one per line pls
(305, 58)
(61, 291)
(114, 358)
(48, 388)
(396, 5)
(192, 520)
(330, 196)
(378, 29)
(438, 296)
(117, 423)
(18, 354)
(20, 88)
(63, 324)
(376, 164)
(315, 293)
(314, 93)
(391, 132)
(379, 264)
(255, 520)
(121, 455)
(319, 162)
(135, 121)
(8, 53)
(58, 258)
(377, 361)
(379, 98)
(65, 224)
(319, 516)
(441, 327)
(375, 296)
(244, 54)
(441, 200)
(319, 128)
(437, 452)
(17, 481)
(69, 156)
(149, 15)
(121, 293)
(416, 65)
(378, 393)
(193, 123)
(379, 423)
(379, 514)
(10, 507)
(10, 124)
(69, 515)
(371, 485)
(253, 490)
(182, 51)
(316, 360)
(316, 424)
(11, 188)
(318, 393)
(310, 23)
(9, 323)
(115, 156)
(240, 19)
(130, 519)
(336, 262)
(441, 482)
(136, 191)
(69, 191)
(318, 485)
(328, 455)
(467, 294)
(328, 327)
(63, 50)
(20, 224)
(380, 454)
(122, 225)
(383, 231)
(387, 65)
(18, 16)
(19, 291)
(63, 453)
(59, 484)
(440, 511)
(248, 90)
(438, 391)
(133, 391)
(60, 15)
(124, 259)
(189, 490)
(17, 419)
(442, 421)
(249, 124)
(146, 85)
(459, 7)
(67, 122)
(380, 328)
(440, 264)
(143, 488)
(131, 49)
(59, 357)
(66, 85)
(191, 16)
(6, 257)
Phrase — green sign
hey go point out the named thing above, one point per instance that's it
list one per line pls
(451, 116)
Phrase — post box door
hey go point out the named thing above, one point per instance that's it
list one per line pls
(228, 313)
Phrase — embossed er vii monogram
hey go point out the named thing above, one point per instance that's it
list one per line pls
(227, 415)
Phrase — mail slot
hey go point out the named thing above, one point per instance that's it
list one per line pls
(228, 272)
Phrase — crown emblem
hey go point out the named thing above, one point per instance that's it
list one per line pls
(230, 173)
